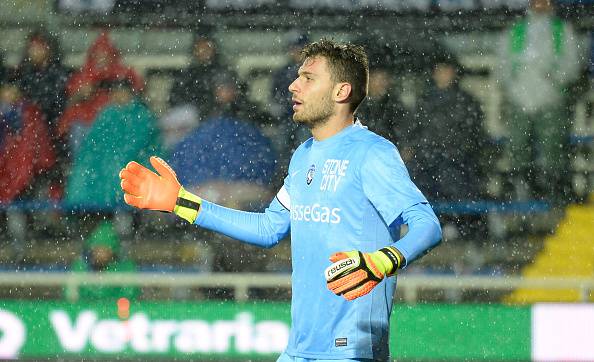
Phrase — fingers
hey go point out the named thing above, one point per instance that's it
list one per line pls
(361, 291)
(163, 168)
(134, 168)
(134, 182)
(131, 187)
(126, 174)
(355, 283)
(338, 256)
(343, 255)
(348, 281)
(136, 172)
(131, 180)
(134, 201)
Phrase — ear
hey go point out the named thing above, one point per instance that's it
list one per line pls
(342, 92)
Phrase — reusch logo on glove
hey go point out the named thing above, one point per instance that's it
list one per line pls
(342, 266)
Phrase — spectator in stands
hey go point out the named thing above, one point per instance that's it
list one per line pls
(25, 143)
(101, 254)
(3, 70)
(124, 130)
(446, 137)
(538, 60)
(236, 171)
(226, 88)
(241, 158)
(285, 75)
(43, 77)
(192, 93)
(177, 123)
(88, 89)
(290, 134)
(193, 85)
(43, 81)
(382, 111)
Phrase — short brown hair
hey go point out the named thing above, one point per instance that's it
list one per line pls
(347, 62)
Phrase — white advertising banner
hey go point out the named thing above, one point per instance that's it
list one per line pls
(563, 332)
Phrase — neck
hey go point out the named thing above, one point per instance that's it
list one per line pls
(335, 124)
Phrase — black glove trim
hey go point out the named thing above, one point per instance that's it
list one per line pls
(188, 204)
(370, 275)
(394, 258)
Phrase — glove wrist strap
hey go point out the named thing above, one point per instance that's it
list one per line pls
(396, 258)
(187, 205)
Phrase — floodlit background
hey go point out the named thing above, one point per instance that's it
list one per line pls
(489, 102)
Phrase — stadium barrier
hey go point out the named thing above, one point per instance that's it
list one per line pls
(242, 331)
(229, 331)
(467, 207)
(408, 285)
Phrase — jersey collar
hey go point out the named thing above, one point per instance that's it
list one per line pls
(330, 141)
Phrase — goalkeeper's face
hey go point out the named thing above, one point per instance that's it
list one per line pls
(312, 91)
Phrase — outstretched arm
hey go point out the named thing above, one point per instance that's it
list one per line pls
(262, 229)
(162, 191)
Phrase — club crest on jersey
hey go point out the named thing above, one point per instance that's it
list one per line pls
(310, 174)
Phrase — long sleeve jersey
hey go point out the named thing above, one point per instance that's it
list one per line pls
(349, 192)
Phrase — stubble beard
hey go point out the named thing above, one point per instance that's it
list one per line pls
(317, 115)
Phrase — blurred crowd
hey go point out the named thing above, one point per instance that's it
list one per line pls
(65, 133)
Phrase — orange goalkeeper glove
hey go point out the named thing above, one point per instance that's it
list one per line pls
(355, 274)
(158, 191)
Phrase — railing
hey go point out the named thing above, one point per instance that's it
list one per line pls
(468, 207)
(409, 286)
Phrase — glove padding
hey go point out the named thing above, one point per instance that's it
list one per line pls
(354, 274)
(161, 191)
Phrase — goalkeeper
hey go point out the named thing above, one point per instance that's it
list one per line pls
(344, 199)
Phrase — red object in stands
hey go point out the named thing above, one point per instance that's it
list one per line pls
(24, 153)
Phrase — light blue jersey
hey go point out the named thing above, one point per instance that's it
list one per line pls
(348, 192)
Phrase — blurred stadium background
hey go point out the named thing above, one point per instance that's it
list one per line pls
(512, 280)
